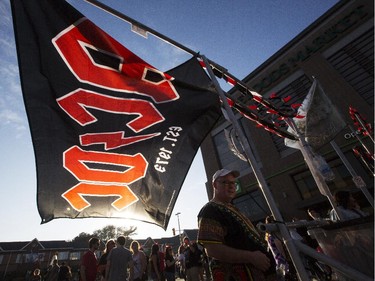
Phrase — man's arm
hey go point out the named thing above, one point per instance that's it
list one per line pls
(228, 254)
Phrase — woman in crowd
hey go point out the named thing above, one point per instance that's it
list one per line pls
(103, 259)
(156, 275)
(140, 261)
(170, 264)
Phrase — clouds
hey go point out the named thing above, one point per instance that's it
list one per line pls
(12, 112)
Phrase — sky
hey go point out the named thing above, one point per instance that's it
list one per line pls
(238, 35)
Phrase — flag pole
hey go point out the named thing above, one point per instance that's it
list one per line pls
(231, 79)
(157, 34)
(288, 241)
(144, 28)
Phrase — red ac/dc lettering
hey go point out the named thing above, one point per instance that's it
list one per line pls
(121, 71)
(75, 104)
(113, 140)
(97, 59)
(75, 159)
(94, 182)
(75, 195)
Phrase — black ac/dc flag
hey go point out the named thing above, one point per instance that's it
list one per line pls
(112, 135)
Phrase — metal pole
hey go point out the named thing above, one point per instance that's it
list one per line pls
(289, 242)
(307, 155)
(140, 25)
(359, 183)
(179, 228)
(6, 268)
(166, 39)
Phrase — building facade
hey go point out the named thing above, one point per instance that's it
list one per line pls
(337, 49)
(19, 259)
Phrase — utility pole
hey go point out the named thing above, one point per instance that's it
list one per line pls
(179, 228)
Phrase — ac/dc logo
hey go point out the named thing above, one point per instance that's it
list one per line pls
(97, 59)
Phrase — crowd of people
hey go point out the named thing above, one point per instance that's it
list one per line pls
(116, 263)
(54, 272)
(228, 247)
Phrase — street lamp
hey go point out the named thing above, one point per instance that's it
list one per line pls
(179, 228)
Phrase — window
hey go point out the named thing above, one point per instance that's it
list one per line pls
(41, 256)
(63, 256)
(20, 258)
(227, 158)
(308, 188)
(355, 62)
(33, 257)
(75, 256)
(253, 205)
(306, 185)
(222, 136)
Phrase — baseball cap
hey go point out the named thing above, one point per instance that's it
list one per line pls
(224, 172)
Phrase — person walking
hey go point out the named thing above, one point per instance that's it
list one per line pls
(119, 261)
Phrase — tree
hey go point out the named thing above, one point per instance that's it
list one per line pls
(82, 238)
(106, 233)
(112, 232)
